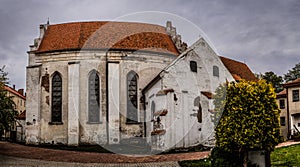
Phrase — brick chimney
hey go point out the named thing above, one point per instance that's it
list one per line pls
(21, 91)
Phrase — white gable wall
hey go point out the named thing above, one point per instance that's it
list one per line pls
(181, 122)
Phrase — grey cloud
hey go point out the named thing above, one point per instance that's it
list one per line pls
(264, 33)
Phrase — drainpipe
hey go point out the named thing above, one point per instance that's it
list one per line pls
(106, 91)
(288, 114)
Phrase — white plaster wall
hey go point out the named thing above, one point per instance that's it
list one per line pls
(182, 126)
(32, 130)
(147, 65)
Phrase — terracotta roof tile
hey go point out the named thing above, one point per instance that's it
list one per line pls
(11, 90)
(281, 94)
(107, 35)
(295, 82)
(238, 69)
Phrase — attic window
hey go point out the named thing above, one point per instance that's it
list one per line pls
(193, 66)
(216, 71)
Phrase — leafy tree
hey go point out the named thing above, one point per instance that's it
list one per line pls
(7, 105)
(250, 118)
(275, 80)
(293, 74)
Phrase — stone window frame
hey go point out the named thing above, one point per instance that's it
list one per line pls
(56, 121)
(216, 71)
(282, 104)
(193, 66)
(130, 109)
(295, 95)
(99, 121)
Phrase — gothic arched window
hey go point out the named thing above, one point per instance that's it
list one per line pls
(132, 97)
(56, 107)
(94, 98)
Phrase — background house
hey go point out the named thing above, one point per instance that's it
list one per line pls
(289, 103)
(18, 127)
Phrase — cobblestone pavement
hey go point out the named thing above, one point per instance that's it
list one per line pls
(19, 155)
(12, 154)
(13, 161)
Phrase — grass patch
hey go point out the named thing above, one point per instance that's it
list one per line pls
(286, 156)
(281, 157)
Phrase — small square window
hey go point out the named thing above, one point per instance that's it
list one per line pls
(193, 66)
(298, 124)
(282, 121)
(282, 104)
(295, 95)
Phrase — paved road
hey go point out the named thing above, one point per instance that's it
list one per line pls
(13, 161)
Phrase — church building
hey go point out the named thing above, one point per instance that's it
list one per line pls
(108, 82)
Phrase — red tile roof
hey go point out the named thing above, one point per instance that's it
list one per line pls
(295, 82)
(238, 69)
(107, 35)
(11, 90)
(281, 94)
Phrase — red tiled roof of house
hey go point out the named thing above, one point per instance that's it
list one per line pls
(281, 94)
(238, 70)
(295, 82)
(107, 35)
(11, 90)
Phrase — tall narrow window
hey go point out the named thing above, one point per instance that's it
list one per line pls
(199, 109)
(193, 66)
(132, 95)
(282, 121)
(282, 104)
(56, 114)
(295, 95)
(152, 110)
(94, 98)
(216, 71)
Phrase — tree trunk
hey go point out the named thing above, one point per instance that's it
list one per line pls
(268, 158)
(245, 158)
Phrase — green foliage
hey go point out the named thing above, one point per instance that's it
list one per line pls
(7, 105)
(293, 74)
(250, 118)
(273, 79)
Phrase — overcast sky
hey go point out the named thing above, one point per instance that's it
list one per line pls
(265, 34)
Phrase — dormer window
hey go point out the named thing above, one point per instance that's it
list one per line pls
(193, 66)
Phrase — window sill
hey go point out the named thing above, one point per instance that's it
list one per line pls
(94, 123)
(55, 123)
(132, 123)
